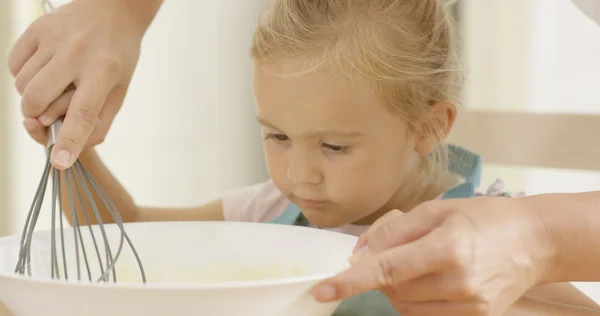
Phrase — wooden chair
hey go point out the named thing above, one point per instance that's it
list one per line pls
(525, 139)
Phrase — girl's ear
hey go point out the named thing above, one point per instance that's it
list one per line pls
(436, 127)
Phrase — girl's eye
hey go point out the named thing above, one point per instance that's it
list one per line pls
(338, 149)
(277, 137)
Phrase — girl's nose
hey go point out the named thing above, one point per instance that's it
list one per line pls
(302, 170)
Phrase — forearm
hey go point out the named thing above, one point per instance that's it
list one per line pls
(572, 223)
(110, 185)
(528, 306)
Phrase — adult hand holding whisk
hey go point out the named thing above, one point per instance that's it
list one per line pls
(91, 45)
(76, 188)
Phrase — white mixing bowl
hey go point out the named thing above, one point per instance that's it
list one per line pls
(193, 268)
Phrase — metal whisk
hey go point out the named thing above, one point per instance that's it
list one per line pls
(77, 179)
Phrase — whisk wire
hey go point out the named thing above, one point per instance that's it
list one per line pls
(88, 224)
(80, 184)
(94, 207)
(112, 208)
(76, 231)
(61, 220)
(53, 259)
(24, 261)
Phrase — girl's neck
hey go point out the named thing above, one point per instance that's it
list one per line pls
(423, 185)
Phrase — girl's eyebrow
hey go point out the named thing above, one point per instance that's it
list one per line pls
(324, 133)
(266, 123)
(315, 133)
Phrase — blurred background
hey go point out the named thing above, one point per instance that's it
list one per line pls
(187, 131)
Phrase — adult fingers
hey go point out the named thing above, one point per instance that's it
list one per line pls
(386, 217)
(81, 118)
(399, 230)
(47, 85)
(36, 130)
(23, 49)
(362, 240)
(388, 268)
(29, 70)
(426, 288)
(110, 110)
(57, 109)
(107, 115)
(444, 286)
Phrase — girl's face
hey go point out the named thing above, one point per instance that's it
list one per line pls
(333, 151)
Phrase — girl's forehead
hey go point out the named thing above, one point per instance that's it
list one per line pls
(316, 102)
(309, 94)
(292, 79)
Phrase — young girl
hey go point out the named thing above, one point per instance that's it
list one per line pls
(355, 99)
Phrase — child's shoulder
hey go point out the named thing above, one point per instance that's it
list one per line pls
(259, 202)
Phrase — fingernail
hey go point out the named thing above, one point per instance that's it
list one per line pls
(44, 120)
(325, 293)
(359, 244)
(359, 254)
(63, 158)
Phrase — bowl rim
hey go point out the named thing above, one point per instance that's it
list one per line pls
(158, 286)
(171, 285)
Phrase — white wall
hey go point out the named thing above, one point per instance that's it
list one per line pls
(565, 67)
(24, 159)
(5, 103)
(495, 37)
(190, 109)
(519, 59)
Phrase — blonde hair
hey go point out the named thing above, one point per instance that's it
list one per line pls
(405, 49)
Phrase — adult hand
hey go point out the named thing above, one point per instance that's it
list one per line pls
(451, 257)
(77, 61)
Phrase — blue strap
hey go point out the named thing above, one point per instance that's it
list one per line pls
(468, 166)
(291, 214)
(465, 164)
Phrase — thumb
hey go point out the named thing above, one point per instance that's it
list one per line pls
(79, 123)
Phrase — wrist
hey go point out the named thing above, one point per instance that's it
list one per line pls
(524, 306)
(529, 305)
(543, 248)
(142, 12)
(138, 14)
(571, 224)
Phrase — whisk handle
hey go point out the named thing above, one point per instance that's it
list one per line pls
(52, 132)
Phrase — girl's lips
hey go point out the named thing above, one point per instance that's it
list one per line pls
(311, 202)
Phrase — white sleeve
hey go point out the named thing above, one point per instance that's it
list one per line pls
(257, 203)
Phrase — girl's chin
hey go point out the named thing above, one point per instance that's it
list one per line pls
(323, 219)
